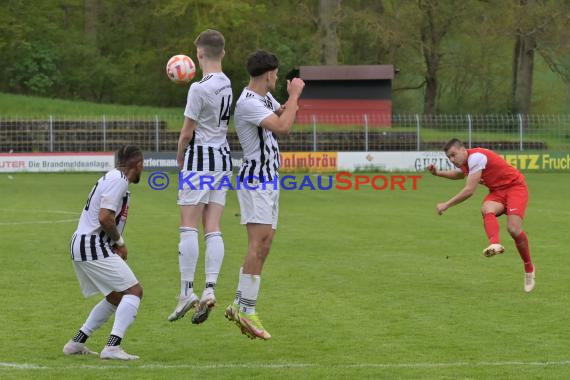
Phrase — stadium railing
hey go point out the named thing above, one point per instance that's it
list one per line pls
(397, 132)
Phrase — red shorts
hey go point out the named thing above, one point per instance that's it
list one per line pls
(514, 198)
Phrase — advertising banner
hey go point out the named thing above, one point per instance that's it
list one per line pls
(166, 161)
(556, 161)
(56, 162)
(308, 161)
(392, 161)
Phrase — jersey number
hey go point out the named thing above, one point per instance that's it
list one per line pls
(225, 110)
(91, 196)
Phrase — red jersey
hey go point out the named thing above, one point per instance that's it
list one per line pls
(497, 173)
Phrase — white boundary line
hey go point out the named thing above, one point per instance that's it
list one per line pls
(41, 211)
(24, 366)
(15, 223)
(38, 222)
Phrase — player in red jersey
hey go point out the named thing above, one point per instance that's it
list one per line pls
(508, 194)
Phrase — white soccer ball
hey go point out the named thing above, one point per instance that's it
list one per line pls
(180, 69)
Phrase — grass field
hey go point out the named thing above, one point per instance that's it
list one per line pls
(359, 284)
(34, 106)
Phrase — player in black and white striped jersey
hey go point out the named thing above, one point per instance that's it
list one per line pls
(260, 148)
(258, 118)
(204, 151)
(99, 253)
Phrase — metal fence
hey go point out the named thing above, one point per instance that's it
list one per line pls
(310, 133)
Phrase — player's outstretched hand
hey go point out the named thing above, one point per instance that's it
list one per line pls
(295, 86)
(441, 207)
(121, 251)
(432, 169)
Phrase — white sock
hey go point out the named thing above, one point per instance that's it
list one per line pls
(98, 316)
(238, 291)
(188, 252)
(249, 290)
(214, 256)
(125, 314)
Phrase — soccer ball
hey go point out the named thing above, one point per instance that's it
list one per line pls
(180, 69)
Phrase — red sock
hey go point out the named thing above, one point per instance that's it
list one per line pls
(491, 228)
(521, 242)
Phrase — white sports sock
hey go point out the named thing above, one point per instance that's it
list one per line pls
(125, 314)
(238, 290)
(249, 291)
(214, 255)
(188, 252)
(98, 316)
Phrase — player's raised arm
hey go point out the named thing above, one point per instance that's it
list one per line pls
(449, 174)
(282, 124)
(470, 187)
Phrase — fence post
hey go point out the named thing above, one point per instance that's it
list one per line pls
(50, 133)
(104, 134)
(470, 130)
(418, 131)
(314, 118)
(365, 132)
(156, 124)
(520, 132)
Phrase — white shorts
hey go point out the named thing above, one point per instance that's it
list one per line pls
(259, 206)
(203, 194)
(111, 274)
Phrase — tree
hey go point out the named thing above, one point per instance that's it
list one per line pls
(91, 11)
(421, 25)
(523, 60)
(437, 18)
(537, 26)
(328, 21)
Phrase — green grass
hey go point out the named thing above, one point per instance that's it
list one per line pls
(359, 284)
(20, 107)
(38, 107)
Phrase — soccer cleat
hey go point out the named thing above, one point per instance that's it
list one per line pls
(252, 327)
(76, 348)
(184, 304)
(529, 281)
(232, 313)
(493, 249)
(116, 353)
(204, 308)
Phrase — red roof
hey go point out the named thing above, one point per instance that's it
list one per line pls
(347, 72)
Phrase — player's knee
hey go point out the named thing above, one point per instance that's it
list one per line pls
(136, 290)
(258, 250)
(139, 291)
(267, 246)
(114, 298)
(514, 230)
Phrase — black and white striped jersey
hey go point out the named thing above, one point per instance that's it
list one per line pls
(89, 242)
(260, 148)
(209, 104)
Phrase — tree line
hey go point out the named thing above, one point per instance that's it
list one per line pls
(452, 56)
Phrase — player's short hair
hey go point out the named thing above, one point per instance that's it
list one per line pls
(212, 42)
(451, 143)
(128, 155)
(261, 62)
